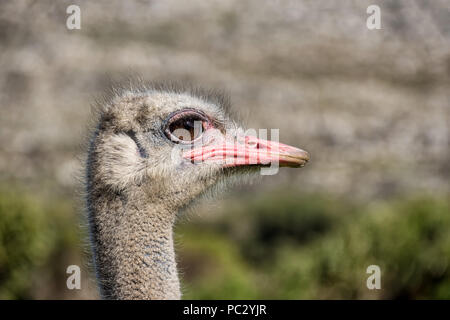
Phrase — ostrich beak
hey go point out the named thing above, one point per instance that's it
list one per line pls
(250, 151)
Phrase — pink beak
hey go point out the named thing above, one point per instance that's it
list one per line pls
(252, 151)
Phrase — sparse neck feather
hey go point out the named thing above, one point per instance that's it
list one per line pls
(132, 241)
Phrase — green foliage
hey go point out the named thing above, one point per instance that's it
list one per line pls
(278, 245)
(409, 240)
(31, 235)
(215, 267)
(317, 247)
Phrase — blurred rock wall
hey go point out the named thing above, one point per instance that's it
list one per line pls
(372, 107)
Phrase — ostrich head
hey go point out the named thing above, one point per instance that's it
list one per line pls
(153, 152)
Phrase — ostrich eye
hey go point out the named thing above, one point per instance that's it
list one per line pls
(186, 126)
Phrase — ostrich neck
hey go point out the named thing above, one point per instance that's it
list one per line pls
(133, 246)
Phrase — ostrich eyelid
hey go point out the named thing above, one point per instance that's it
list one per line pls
(180, 114)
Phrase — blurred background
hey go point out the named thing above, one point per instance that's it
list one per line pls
(371, 106)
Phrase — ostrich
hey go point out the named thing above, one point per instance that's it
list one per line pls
(153, 151)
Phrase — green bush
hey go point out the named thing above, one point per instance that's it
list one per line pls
(33, 236)
(317, 247)
(214, 266)
(277, 245)
(409, 240)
